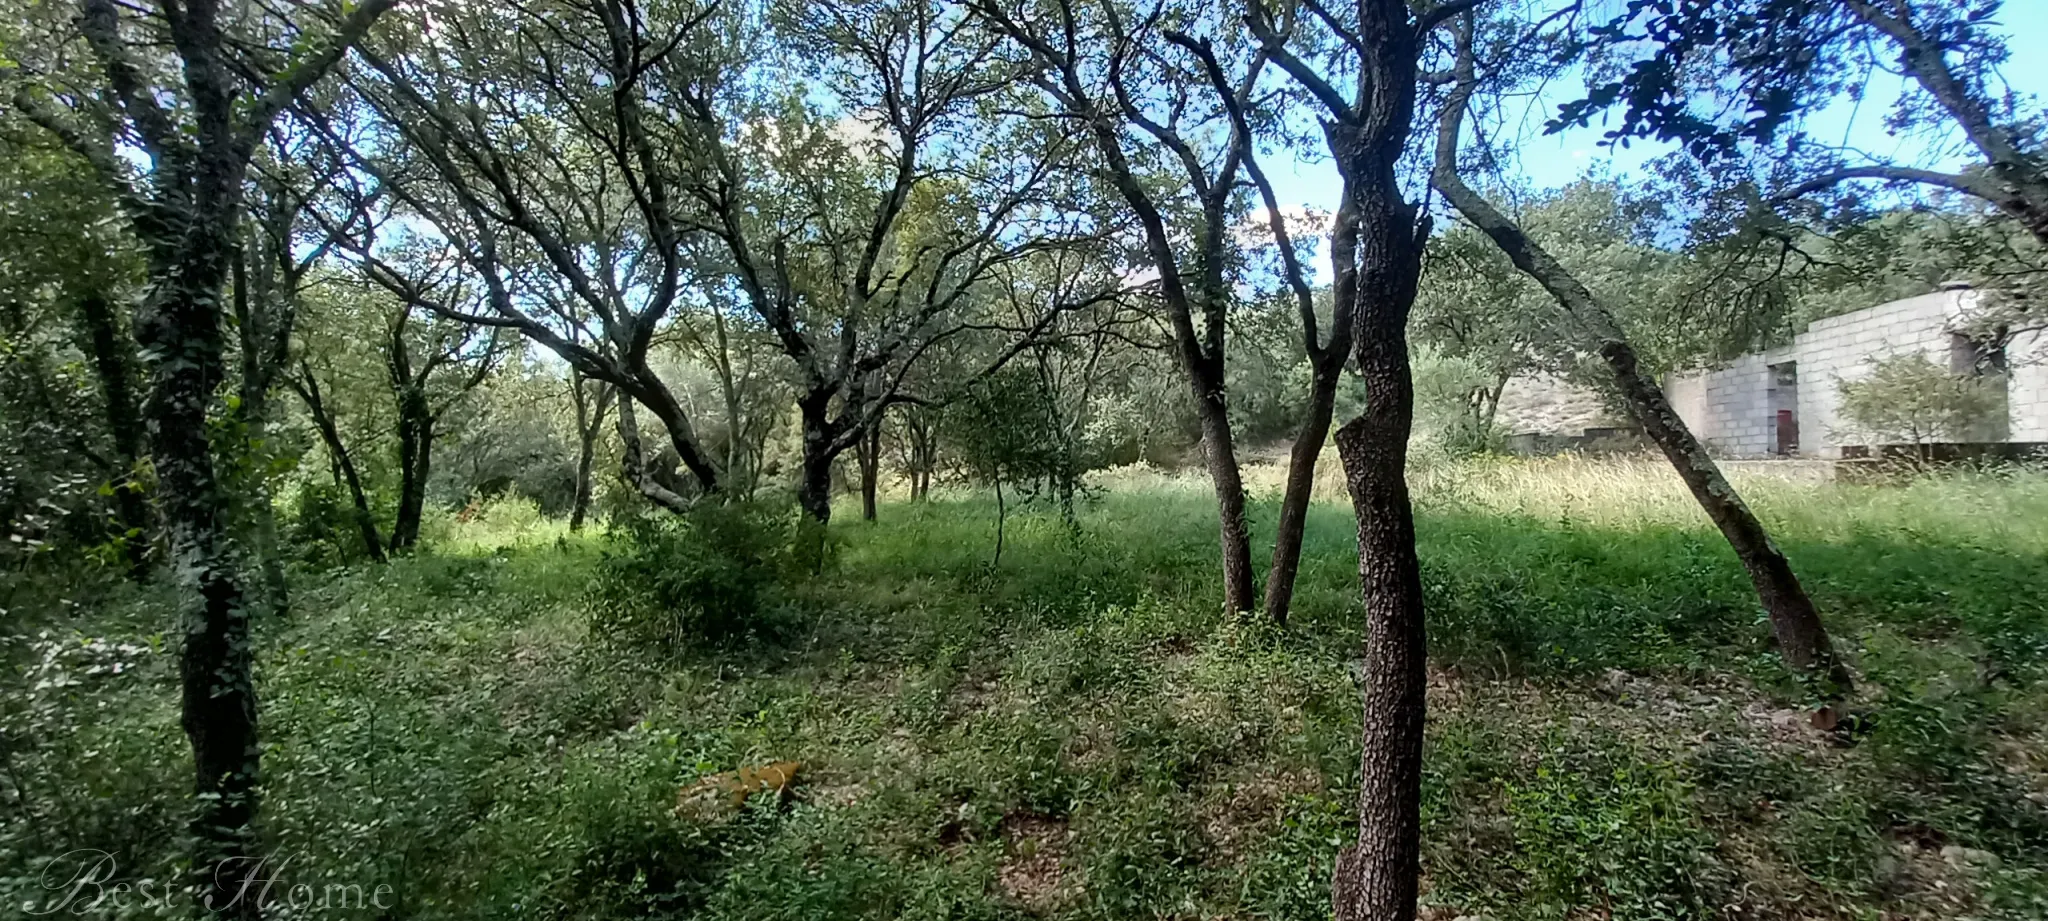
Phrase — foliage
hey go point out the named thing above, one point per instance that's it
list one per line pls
(1910, 398)
(718, 574)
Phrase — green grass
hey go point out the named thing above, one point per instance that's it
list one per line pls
(1080, 733)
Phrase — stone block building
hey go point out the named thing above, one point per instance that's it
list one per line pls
(1785, 401)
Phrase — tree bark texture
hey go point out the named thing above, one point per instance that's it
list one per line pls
(1377, 877)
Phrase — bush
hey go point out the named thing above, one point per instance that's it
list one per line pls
(719, 573)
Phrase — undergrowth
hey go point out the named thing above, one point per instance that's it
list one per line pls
(1079, 732)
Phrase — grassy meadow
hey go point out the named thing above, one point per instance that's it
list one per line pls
(1078, 732)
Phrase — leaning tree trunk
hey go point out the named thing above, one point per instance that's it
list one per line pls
(113, 363)
(344, 465)
(1301, 481)
(1322, 399)
(179, 329)
(1802, 639)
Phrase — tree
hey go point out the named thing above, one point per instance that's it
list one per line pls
(1910, 397)
(1802, 639)
(899, 213)
(567, 220)
(1381, 45)
(69, 275)
(1775, 61)
(445, 346)
(1151, 99)
(592, 401)
(199, 126)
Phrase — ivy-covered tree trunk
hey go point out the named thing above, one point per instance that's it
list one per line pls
(113, 364)
(179, 329)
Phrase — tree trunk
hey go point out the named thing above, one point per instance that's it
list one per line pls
(113, 363)
(366, 522)
(1377, 877)
(179, 329)
(415, 464)
(814, 488)
(1301, 481)
(1802, 639)
(263, 514)
(869, 451)
(586, 455)
(1002, 518)
(1239, 587)
(1328, 364)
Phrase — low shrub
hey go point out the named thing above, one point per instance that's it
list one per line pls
(718, 574)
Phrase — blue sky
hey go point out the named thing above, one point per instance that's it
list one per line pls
(1548, 161)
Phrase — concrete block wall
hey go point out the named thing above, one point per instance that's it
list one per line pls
(2027, 387)
(1729, 408)
(1842, 348)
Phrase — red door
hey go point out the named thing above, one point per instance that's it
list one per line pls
(1788, 432)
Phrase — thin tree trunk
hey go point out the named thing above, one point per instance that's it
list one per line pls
(1328, 364)
(590, 413)
(1802, 639)
(366, 522)
(1002, 517)
(113, 363)
(1294, 499)
(1234, 534)
(869, 451)
(263, 527)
